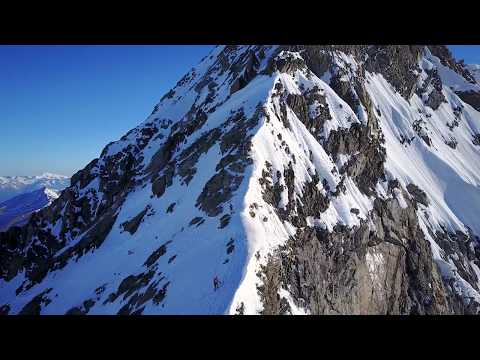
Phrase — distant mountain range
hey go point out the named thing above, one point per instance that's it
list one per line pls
(17, 211)
(11, 186)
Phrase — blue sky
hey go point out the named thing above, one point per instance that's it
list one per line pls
(469, 53)
(60, 105)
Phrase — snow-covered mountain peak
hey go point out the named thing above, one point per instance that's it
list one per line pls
(11, 186)
(305, 179)
(50, 193)
(475, 71)
(51, 176)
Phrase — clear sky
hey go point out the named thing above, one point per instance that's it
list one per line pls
(60, 105)
(469, 53)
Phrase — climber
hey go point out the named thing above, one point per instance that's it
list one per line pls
(216, 283)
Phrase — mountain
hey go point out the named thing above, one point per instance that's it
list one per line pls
(474, 69)
(17, 211)
(11, 186)
(306, 179)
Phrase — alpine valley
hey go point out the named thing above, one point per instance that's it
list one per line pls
(306, 179)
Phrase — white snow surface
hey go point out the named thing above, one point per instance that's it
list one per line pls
(450, 178)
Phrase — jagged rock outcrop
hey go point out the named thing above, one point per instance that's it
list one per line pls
(329, 179)
(359, 270)
(470, 97)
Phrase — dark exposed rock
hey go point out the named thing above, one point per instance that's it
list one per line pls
(75, 311)
(4, 309)
(317, 58)
(101, 289)
(131, 284)
(223, 184)
(452, 142)
(435, 97)
(153, 293)
(397, 64)
(160, 184)
(230, 246)
(459, 249)
(470, 97)
(316, 122)
(84, 176)
(313, 201)
(234, 162)
(224, 221)
(189, 157)
(10, 259)
(83, 309)
(366, 163)
(217, 190)
(34, 306)
(165, 153)
(36, 247)
(171, 208)
(91, 240)
(393, 184)
(236, 139)
(452, 125)
(194, 121)
(418, 194)
(419, 127)
(345, 91)
(273, 303)
(299, 106)
(357, 270)
(147, 132)
(288, 63)
(271, 191)
(131, 287)
(152, 259)
(37, 267)
(355, 211)
(251, 64)
(476, 139)
(132, 225)
(197, 221)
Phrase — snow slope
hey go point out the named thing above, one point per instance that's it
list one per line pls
(237, 160)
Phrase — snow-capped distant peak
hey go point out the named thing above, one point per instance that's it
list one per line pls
(11, 186)
(48, 175)
(51, 194)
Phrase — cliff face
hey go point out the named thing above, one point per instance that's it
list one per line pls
(309, 179)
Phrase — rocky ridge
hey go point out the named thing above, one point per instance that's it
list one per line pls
(284, 170)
